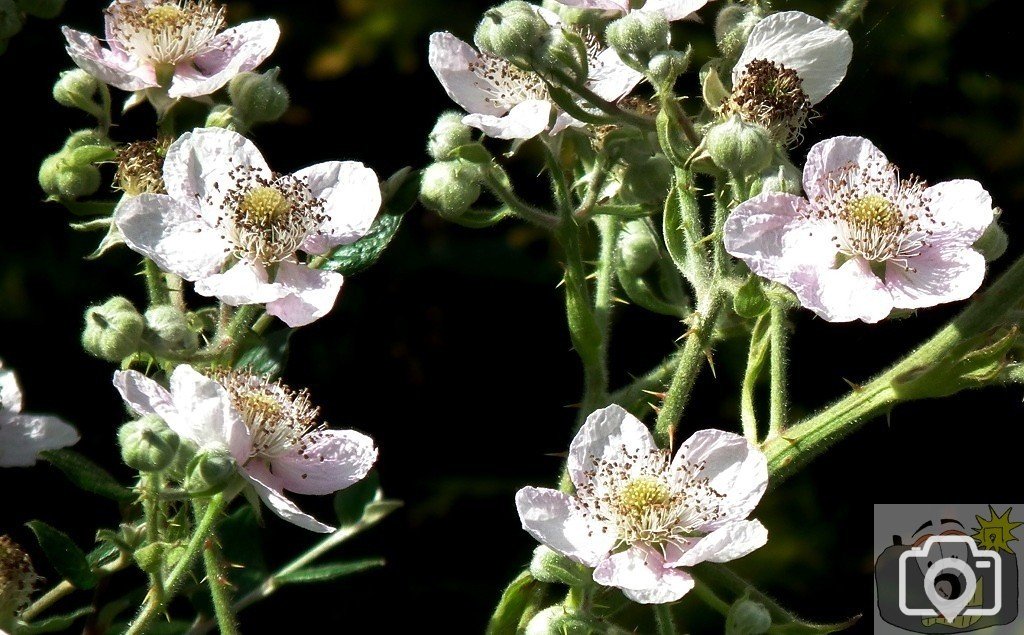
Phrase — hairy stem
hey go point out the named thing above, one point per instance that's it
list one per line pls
(778, 390)
(664, 619)
(522, 209)
(759, 343)
(217, 580)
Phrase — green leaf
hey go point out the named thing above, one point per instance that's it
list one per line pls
(87, 155)
(350, 503)
(269, 355)
(64, 555)
(328, 572)
(399, 193)
(53, 624)
(472, 152)
(750, 301)
(522, 594)
(87, 475)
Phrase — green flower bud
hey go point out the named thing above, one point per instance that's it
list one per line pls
(258, 98)
(48, 174)
(747, 617)
(210, 471)
(739, 147)
(638, 246)
(993, 242)
(733, 26)
(450, 187)
(171, 326)
(554, 568)
(555, 620)
(783, 179)
(566, 50)
(46, 9)
(514, 31)
(61, 179)
(147, 445)
(11, 19)
(77, 89)
(448, 134)
(83, 138)
(666, 66)
(639, 35)
(223, 116)
(647, 181)
(113, 330)
(151, 557)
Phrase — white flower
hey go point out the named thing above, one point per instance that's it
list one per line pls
(507, 102)
(177, 44)
(671, 9)
(791, 62)
(640, 516)
(24, 435)
(866, 240)
(273, 433)
(225, 207)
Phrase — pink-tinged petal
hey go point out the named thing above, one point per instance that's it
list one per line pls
(309, 294)
(335, 460)
(851, 292)
(554, 519)
(109, 66)
(23, 437)
(171, 233)
(563, 122)
(525, 121)
(450, 58)
(937, 276)
(734, 468)
(236, 50)
(198, 167)
(619, 6)
(818, 53)
(675, 9)
(774, 234)
(643, 577)
(10, 391)
(611, 79)
(830, 156)
(351, 198)
(143, 395)
(269, 489)
(608, 432)
(243, 283)
(726, 543)
(961, 212)
(205, 415)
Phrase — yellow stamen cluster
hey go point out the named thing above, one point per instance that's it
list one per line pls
(140, 167)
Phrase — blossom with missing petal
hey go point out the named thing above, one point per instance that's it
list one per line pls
(671, 9)
(866, 239)
(791, 62)
(507, 102)
(640, 516)
(24, 435)
(273, 433)
(224, 206)
(176, 44)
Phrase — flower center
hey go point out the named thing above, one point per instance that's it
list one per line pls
(264, 206)
(164, 16)
(771, 95)
(17, 579)
(140, 167)
(165, 32)
(638, 495)
(505, 84)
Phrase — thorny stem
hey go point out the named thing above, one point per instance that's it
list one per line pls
(156, 284)
(65, 588)
(524, 210)
(217, 580)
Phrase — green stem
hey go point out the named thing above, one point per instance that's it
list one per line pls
(759, 342)
(217, 580)
(65, 588)
(599, 102)
(847, 13)
(778, 390)
(156, 284)
(635, 394)
(709, 597)
(664, 619)
(598, 177)
(608, 227)
(524, 210)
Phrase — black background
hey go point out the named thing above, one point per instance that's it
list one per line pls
(452, 351)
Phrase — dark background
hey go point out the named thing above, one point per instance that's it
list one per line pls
(452, 351)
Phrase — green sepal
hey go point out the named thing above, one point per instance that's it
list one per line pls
(65, 556)
(328, 572)
(56, 624)
(86, 475)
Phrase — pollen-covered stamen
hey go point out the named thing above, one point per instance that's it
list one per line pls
(505, 84)
(140, 167)
(772, 96)
(280, 420)
(17, 578)
(647, 499)
(166, 31)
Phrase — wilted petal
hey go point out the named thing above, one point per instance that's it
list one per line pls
(726, 543)
(553, 519)
(450, 58)
(936, 276)
(832, 155)
(112, 67)
(269, 489)
(608, 432)
(244, 283)
(643, 577)
(308, 294)
(335, 460)
(236, 50)
(350, 192)
(734, 468)
(525, 121)
(24, 436)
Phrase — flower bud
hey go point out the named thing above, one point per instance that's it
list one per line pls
(733, 26)
(77, 89)
(555, 620)
(784, 178)
(258, 97)
(647, 181)
(554, 568)
(638, 246)
(566, 50)
(46, 9)
(450, 188)
(210, 471)
(993, 242)
(113, 330)
(639, 35)
(448, 134)
(10, 19)
(747, 617)
(17, 579)
(147, 445)
(171, 326)
(223, 116)
(83, 138)
(61, 179)
(666, 66)
(514, 31)
(739, 147)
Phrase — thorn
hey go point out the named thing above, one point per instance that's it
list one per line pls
(711, 362)
(561, 283)
(573, 405)
(656, 409)
(659, 395)
(620, 300)
(853, 385)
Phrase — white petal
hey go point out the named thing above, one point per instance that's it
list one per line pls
(675, 9)
(10, 391)
(938, 276)
(831, 155)
(527, 120)
(619, 6)
(726, 543)
(333, 461)
(351, 199)
(205, 414)
(734, 467)
(243, 283)
(238, 49)
(961, 211)
(611, 79)
(851, 292)
(553, 518)
(269, 489)
(608, 432)
(309, 294)
(24, 436)
(171, 233)
(817, 52)
(643, 577)
(110, 66)
(450, 59)
(143, 395)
